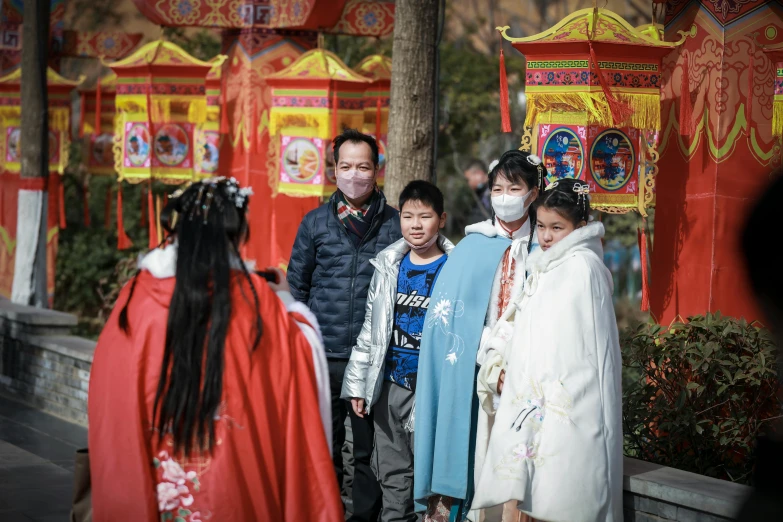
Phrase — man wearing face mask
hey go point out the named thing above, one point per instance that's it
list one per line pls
(330, 271)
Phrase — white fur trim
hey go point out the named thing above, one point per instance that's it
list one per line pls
(485, 228)
(586, 238)
(161, 262)
(301, 308)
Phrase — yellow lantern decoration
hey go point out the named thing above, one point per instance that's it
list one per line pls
(313, 99)
(376, 103)
(97, 123)
(58, 89)
(209, 132)
(161, 100)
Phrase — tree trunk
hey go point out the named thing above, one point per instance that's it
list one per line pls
(29, 286)
(412, 132)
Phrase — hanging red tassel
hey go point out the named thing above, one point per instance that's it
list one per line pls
(107, 209)
(61, 202)
(643, 260)
(378, 118)
(153, 229)
(143, 207)
(83, 99)
(687, 125)
(123, 241)
(749, 100)
(620, 111)
(505, 114)
(335, 116)
(97, 131)
(86, 206)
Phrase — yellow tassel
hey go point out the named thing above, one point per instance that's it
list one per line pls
(197, 111)
(591, 108)
(777, 117)
(321, 122)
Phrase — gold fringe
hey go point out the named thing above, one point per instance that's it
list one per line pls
(197, 111)
(59, 119)
(321, 122)
(591, 108)
(777, 118)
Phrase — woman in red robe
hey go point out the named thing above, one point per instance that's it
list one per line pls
(208, 396)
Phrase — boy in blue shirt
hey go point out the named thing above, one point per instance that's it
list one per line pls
(382, 370)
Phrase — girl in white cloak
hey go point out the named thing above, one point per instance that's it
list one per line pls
(556, 444)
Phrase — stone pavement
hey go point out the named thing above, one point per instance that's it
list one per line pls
(36, 464)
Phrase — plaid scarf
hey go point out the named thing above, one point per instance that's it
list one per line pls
(357, 221)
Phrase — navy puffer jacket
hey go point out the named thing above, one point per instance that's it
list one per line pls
(331, 275)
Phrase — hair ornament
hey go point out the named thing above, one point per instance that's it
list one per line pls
(582, 193)
(550, 186)
(539, 165)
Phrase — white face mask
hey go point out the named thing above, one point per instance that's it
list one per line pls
(510, 208)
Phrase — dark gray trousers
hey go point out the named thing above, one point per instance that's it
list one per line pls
(393, 457)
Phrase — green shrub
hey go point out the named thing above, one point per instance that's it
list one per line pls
(704, 389)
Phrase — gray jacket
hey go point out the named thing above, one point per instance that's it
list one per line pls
(364, 373)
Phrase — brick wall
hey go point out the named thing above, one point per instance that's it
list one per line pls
(41, 364)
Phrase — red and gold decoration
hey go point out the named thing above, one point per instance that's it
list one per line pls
(593, 85)
(161, 98)
(376, 103)
(313, 99)
(108, 45)
(357, 17)
(97, 124)
(59, 90)
(710, 177)
(208, 133)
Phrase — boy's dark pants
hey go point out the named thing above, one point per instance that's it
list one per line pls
(366, 492)
(393, 458)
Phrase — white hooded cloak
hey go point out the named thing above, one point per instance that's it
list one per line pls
(556, 442)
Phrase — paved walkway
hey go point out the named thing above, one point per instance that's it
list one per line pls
(36, 464)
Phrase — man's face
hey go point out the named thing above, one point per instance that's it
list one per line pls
(134, 145)
(166, 146)
(475, 178)
(358, 157)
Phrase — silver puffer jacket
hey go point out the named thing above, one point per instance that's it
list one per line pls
(364, 373)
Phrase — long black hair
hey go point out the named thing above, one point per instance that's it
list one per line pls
(517, 166)
(208, 222)
(569, 198)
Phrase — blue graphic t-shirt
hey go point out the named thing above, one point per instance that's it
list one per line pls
(414, 285)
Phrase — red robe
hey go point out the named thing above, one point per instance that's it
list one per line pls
(270, 462)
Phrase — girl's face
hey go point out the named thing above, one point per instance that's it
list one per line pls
(552, 227)
(511, 188)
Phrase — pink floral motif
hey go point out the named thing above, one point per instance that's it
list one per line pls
(174, 489)
(524, 451)
(171, 496)
(173, 472)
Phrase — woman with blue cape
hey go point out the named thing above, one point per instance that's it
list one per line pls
(485, 273)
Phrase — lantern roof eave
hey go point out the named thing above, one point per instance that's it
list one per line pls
(602, 28)
(160, 53)
(377, 67)
(319, 64)
(52, 79)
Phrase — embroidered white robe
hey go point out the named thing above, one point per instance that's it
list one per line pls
(556, 443)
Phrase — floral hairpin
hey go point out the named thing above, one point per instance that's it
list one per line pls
(550, 186)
